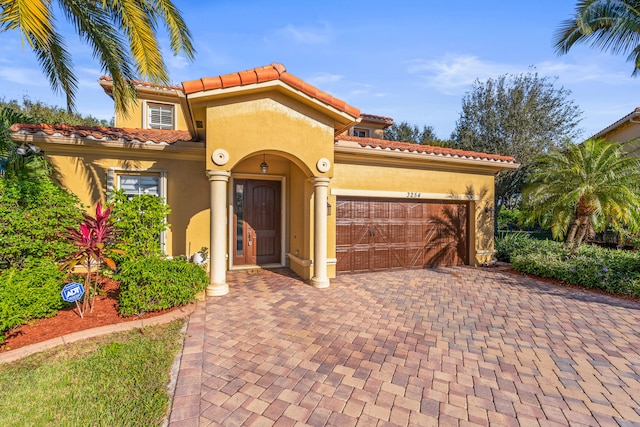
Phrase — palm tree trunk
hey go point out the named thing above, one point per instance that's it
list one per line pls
(584, 228)
(572, 233)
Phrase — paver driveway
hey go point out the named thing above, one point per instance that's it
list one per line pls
(452, 346)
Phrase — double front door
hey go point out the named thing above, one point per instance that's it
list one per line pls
(256, 216)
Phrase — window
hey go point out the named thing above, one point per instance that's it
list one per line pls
(138, 182)
(361, 133)
(134, 185)
(160, 116)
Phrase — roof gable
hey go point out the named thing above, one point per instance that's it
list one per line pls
(267, 73)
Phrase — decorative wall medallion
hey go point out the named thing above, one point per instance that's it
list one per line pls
(220, 157)
(323, 165)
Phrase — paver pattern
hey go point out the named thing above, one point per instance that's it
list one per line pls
(451, 346)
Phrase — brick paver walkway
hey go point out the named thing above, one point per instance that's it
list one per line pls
(454, 346)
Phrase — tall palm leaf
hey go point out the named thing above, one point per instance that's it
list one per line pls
(583, 189)
(609, 25)
(122, 33)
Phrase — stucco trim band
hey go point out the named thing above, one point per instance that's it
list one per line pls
(402, 195)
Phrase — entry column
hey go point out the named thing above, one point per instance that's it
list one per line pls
(218, 180)
(320, 278)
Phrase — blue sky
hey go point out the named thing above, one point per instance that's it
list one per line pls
(410, 60)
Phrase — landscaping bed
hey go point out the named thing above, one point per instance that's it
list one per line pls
(67, 320)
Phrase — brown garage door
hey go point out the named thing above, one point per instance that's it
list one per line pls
(382, 234)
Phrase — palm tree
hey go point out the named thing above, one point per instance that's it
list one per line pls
(610, 25)
(104, 25)
(584, 189)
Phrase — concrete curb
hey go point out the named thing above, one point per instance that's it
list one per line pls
(22, 352)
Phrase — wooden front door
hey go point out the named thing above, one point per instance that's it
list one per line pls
(256, 215)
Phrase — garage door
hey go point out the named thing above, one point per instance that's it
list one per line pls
(383, 234)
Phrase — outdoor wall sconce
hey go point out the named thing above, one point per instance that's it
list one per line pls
(489, 210)
(264, 167)
(328, 208)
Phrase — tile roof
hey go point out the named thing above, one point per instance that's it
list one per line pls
(155, 136)
(142, 83)
(373, 117)
(383, 144)
(263, 74)
(629, 117)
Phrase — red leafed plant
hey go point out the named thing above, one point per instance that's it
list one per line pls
(93, 242)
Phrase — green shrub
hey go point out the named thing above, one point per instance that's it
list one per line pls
(140, 221)
(509, 243)
(31, 293)
(155, 284)
(33, 214)
(609, 270)
(509, 219)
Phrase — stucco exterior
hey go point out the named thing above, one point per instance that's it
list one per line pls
(266, 131)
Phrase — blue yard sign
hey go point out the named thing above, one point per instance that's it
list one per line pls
(72, 292)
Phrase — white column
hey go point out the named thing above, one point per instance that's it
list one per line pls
(320, 278)
(218, 180)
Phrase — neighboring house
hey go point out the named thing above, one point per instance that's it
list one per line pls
(623, 130)
(267, 170)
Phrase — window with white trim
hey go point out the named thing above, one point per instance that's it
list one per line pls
(361, 133)
(134, 185)
(160, 116)
(139, 182)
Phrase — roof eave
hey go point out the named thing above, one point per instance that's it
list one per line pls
(350, 147)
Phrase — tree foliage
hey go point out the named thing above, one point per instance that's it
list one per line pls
(140, 220)
(33, 214)
(39, 112)
(583, 189)
(122, 34)
(406, 132)
(521, 115)
(609, 25)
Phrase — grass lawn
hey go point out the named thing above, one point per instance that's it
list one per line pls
(116, 380)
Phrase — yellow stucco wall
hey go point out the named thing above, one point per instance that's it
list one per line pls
(443, 184)
(83, 170)
(135, 117)
(268, 123)
(624, 133)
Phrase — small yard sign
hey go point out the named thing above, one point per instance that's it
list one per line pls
(72, 292)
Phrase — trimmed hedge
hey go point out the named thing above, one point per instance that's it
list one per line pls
(32, 293)
(152, 284)
(610, 270)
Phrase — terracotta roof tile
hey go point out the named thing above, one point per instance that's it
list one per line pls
(248, 77)
(373, 117)
(143, 83)
(383, 144)
(105, 133)
(268, 73)
(209, 83)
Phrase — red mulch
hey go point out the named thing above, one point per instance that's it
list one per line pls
(105, 312)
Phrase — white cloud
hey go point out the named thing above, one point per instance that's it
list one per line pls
(593, 71)
(319, 79)
(307, 35)
(453, 74)
(23, 76)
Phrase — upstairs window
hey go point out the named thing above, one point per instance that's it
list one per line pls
(361, 133)
(160, 116)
